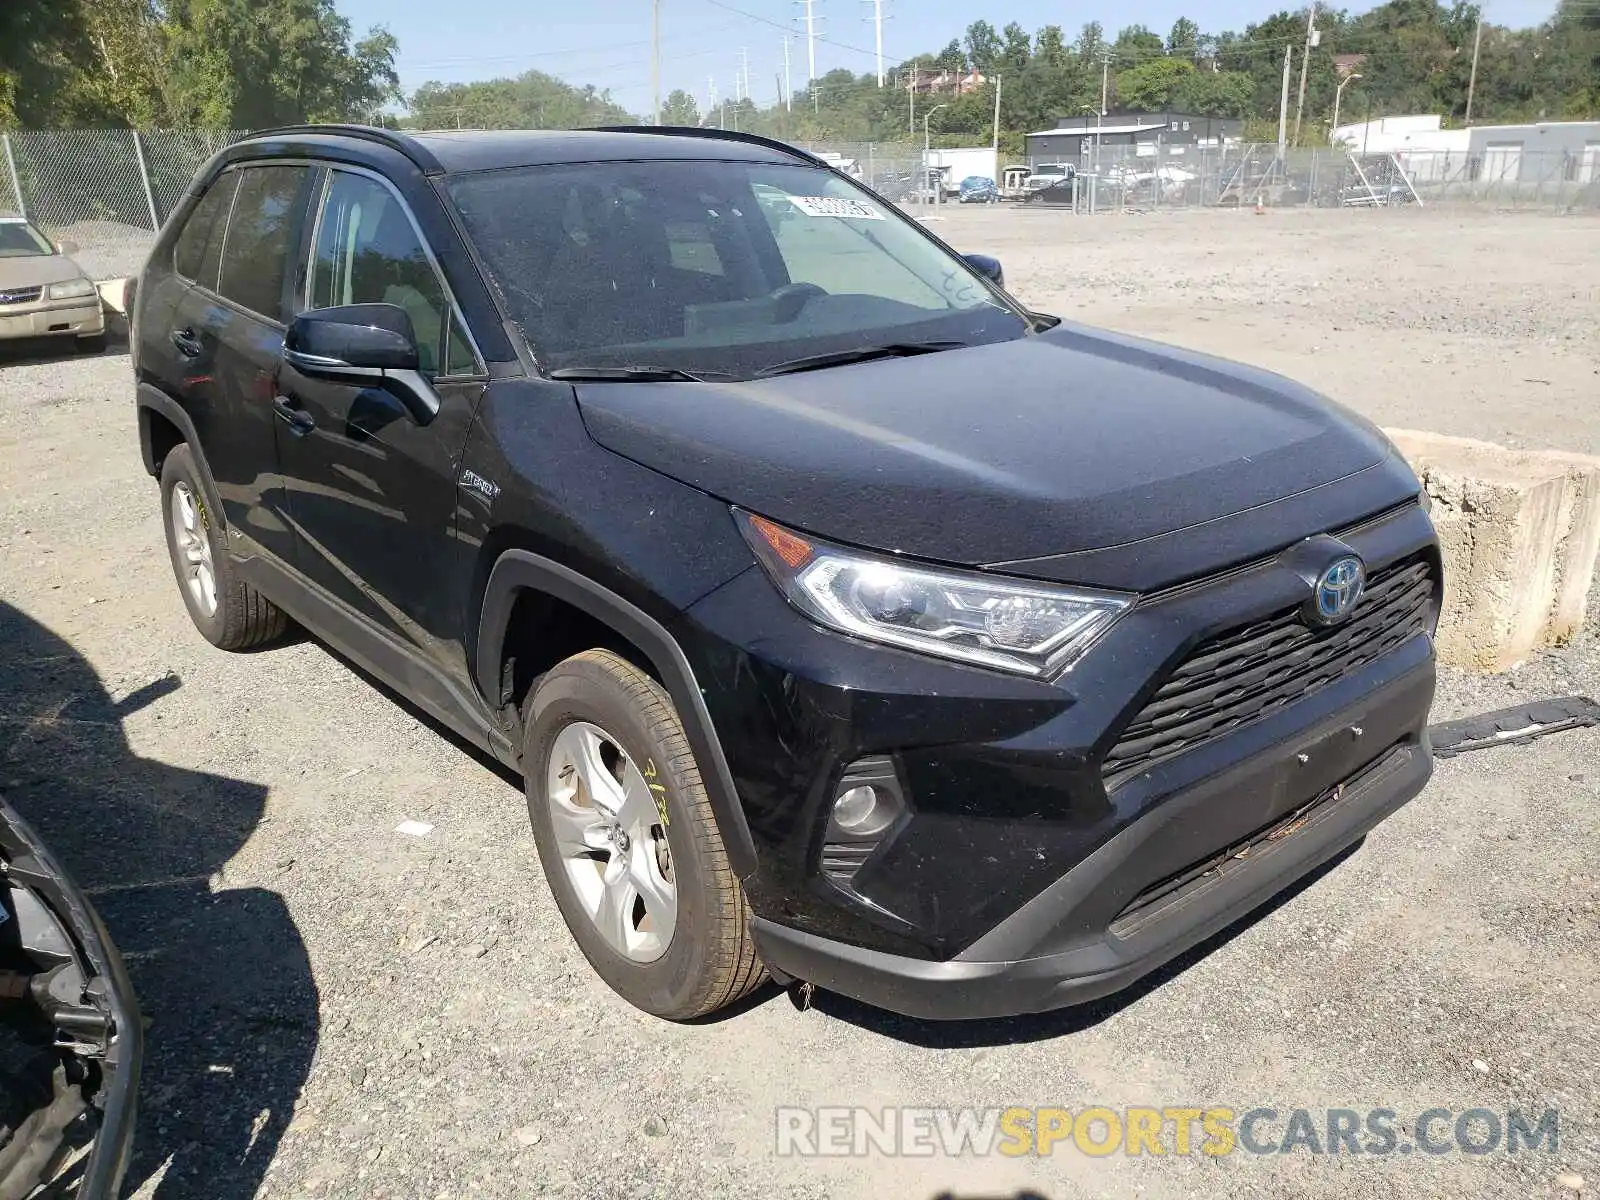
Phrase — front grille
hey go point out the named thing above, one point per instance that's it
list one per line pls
(1246, 674)
(20, 295)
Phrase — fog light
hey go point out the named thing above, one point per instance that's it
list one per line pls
(854, 808)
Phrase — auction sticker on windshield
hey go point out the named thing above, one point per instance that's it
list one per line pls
(835, 206)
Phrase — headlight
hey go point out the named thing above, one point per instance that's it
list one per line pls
(69, 289)
(986, 620)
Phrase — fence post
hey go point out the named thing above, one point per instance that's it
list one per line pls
(144, 177)
(11, 167)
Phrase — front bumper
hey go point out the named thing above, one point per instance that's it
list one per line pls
(60, 318)
(1059, 950)
(1023, 875)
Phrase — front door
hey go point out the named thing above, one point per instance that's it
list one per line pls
(372, 493)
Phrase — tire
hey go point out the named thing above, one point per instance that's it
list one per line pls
(708, 959)
(239, 617)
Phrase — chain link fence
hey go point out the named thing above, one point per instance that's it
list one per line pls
(107, 190)
(1149, 177)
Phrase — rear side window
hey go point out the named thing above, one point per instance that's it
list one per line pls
(255, 257)
(203, 230)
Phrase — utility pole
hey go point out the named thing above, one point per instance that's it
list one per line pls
(1472, 79)
(811, 39)
(911, 101)
(877, 21)
(997, 124)
(655, 57)
(1105, 76)
(711, 101)
(788, 90)
(1283, 103)
(744, 73)
(1312, 38)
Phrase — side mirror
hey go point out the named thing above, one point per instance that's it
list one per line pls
(988, 267)
(67, 248)
(366, 345)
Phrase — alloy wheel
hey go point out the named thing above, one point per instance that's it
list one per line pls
(610, 832)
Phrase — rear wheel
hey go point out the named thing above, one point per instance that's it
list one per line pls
(628, 841)
(230, 613)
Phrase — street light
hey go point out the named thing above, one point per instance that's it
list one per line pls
(1338, 95)
(1099, 116)
(926, 148)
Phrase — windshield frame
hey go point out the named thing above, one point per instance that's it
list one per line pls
(996, 297)
(50, 250)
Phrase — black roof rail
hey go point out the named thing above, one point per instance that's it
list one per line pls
(392, 138)
(716, 135)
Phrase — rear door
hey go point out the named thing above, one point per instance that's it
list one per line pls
(372, 493)
(229, 329)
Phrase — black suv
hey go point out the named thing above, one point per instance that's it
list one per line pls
(849, 622)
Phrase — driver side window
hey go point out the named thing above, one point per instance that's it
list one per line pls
(368, 252)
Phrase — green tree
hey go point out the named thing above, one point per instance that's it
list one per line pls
(1150, 86)
(983, 47)
(680, 109)
(1050, 47)
(1136, 42)
(533, 100)
(1184, 38)
(1016, 49)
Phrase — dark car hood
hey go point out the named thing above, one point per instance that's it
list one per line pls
(1070, 441)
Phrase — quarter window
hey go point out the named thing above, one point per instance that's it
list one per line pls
(255, 257)
(368, 252)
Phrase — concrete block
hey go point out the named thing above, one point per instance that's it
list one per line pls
(1520, 530)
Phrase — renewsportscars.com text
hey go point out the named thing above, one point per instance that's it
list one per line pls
(1098, 1131)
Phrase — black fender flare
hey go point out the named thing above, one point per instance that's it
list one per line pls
(517, 570)
(150, 398)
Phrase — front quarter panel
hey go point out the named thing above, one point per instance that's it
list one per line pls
(533, 479)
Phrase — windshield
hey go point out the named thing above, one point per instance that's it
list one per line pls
(720, 269)
(18, 239)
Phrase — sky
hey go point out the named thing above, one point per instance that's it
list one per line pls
(704, 42)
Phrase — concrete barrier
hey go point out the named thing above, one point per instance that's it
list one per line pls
(1520, 530)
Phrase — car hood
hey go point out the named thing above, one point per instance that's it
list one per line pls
(35, 270)
(1072, 441)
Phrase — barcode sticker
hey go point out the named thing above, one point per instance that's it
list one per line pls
(835, 206)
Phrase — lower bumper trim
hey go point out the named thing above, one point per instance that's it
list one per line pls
(964, 988)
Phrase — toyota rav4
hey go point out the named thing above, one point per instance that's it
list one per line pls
(848, 621)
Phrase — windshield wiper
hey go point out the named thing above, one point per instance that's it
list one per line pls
(838, 358)
(638, 374)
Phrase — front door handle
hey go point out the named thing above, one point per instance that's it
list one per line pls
(185, 342)
(299, 421)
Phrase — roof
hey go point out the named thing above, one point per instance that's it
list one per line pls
(1091, 130)
(450, 151)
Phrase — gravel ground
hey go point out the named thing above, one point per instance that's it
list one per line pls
(339, 1010)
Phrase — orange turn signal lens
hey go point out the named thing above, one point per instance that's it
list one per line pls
(791, 548)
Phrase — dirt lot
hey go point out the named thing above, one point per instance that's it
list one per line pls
(340, 1010)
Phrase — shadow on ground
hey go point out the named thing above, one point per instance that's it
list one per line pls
(945, 1035)
(222, 976)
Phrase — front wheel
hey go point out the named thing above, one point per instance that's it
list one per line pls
(628, 842)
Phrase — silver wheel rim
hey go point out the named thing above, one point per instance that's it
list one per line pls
(193, 542)
(612, 841)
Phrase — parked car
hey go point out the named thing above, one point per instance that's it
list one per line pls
(1057, 194)
(818, 657)
(43, 293)
(1049, 175)
(979, 189)
(70, 1034)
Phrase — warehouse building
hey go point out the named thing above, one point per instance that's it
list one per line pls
(1074, 138)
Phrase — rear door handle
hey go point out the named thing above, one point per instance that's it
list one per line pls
(186, 343)
(299, 421)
